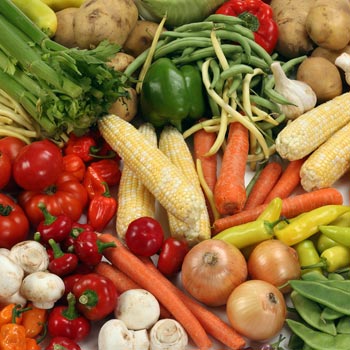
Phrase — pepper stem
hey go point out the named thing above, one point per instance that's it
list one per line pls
(101, 246)
(5, 210)
(70, 313)
(250, 20)
(57, 251)
(48, 218)
(322, 264)
(89, 298)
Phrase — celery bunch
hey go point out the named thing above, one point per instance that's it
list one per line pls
(62, 89)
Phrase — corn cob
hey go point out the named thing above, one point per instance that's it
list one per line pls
(173, 145)
(304, 134)
(328, 163)
(134, 199)
(160, 176)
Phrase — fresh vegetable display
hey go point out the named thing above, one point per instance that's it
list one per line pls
(174, 175)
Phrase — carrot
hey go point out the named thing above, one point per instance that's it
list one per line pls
(266, 180)
(230, 193)
(122, 282)
(120, 257)
(288, 181)
(213, 324)
(291, 206)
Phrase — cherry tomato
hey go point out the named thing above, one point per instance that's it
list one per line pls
(144, 236)
(5, 166)
(38, 165)
(171, 256)
(11, 146)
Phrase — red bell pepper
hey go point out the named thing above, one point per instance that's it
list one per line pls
(65, 321)
(102, 208)
(53, 227)
(96, 296)
(82, 146)
(109, 170)
(258, 16)
(62, 263)
(62, 343)
(89, 248)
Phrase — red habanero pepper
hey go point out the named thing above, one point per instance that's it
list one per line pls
(73, 164)
(62, 263)
(102, 208)
(96, 296)
(65, 321)
(258, 17)
(109, 170)
(82, 146)
(53, 227)
(89, 248)
(62, 343)
(67, 244)
(93, 182)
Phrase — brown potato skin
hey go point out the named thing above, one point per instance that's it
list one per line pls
(65, 33)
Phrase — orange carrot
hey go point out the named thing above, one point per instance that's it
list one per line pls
(230, 193)
(120, 257)
(288, 181)
(213, 324)
(291, 206)
(122, 282)
(264, 184)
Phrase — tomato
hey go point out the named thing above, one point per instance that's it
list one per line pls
(5, 166)
(171, 256)
(38, 165)
(11, 146)
(67, 196)
(144, 236)
(14, 225)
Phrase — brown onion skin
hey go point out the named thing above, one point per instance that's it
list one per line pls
(211, 270)
(274, 262)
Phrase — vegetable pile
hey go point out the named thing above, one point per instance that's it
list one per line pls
(174, 174)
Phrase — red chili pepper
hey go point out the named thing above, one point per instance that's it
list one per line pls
(62, 343)
(65, 321)
(109, 170)
(102, 208)
(62, 263)
(258, 17)
(73, 164)
(96, 296)
(53, 227)
(171, 255)
(93, 182)
(89, 248)
(82, 146)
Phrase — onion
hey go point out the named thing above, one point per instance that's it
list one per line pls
(257, 310)
(211, 270)
(275, 262)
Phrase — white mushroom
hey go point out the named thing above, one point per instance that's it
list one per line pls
(168, 334)
(42, 288)
(16, 298)
(115, 335)
(138, 309)
(141, 340)
(5, 251)
(11, 276)
(30, 255)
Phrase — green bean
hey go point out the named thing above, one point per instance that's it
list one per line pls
(318, 340)
(263, 102)
(260, 52)
(237, 82)
(196, 26)
(310, 312)
(263, 125)
(236, 37)
(295, 342)
(330, 314)
(343, 325)
(276, 97)
(215, 69)
(218, 18)
(236, 69)
(256, 62)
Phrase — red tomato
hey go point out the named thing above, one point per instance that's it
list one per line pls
(38, 165)
(14, 225)
(5, 166)
(171, 256)
(67, 196)
(144, 236)
(11, 146)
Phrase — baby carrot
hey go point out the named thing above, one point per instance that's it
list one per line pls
(291, 207)
(264, 184)
(230, 192)
(133, 267)
(288, 181)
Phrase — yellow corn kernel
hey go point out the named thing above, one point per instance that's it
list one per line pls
(162, 178)
(134, 199)
(328, 163)
(174, 146)
(304, 134)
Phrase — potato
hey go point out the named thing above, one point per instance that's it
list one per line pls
(124, 107)
(290, 16)
(140, 37)
(120, 61)
(65, 33)
(328, 25)
(98, 20)
(330, 55)
(326, 88)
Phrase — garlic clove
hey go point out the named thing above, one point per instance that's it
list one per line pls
(343, 62)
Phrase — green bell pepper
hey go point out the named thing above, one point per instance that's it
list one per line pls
(170, 94)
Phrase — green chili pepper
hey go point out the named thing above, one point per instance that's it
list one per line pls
(340, 234)
(308, 255)
(310, 312)
(170, 94)
(308, 223)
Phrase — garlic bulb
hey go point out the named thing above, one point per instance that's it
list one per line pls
(343, 62)
(298, 93)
